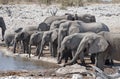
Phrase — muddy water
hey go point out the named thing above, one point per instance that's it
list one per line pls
(17, 63)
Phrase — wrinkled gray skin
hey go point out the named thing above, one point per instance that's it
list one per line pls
(35, 40)
(24, 37)
(9, 36)
(71, 42)
(105, 46)
(50, 37)
(45, 25)
(3, 27)
(56, 24)
(71, 27)
(87, 18)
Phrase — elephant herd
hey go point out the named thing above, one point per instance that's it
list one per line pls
(69, 37)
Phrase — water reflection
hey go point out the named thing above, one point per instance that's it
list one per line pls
(17, 63)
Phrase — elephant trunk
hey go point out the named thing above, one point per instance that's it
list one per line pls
(41, 49)
(60, 54)
(61, 35)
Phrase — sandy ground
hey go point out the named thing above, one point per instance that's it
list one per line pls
(21, 15)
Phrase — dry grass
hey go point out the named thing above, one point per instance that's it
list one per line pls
(63, 2)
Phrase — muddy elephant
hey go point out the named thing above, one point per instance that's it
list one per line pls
(71, 27)
(35, 40)
(71, 42)
(105, 46)
(3, 27)
(45, 25)
(9, 36)
(24, 37)
(50, 37)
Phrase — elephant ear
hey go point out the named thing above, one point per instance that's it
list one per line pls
(54, 35)
(98, 45)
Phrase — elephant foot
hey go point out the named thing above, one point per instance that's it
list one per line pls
(83, 63)
(59, 62)
(92, 58)
(2, 40)
(109, 62)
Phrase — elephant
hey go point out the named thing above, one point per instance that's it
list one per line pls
(49, 37)
(87, 18)
(71, 42)
(56, 24)
(45, 25)
(105, 45)
(71, 27)
(9, 36)
(35, 39)
(24, 37)
(3, 27)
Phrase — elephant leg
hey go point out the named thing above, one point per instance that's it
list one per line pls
(92, 58)
(51, 48)
(29, 50)
(82, 58)
(100, 61)
(70, 56)
(38, 49)
(54, 50)
(73, 54)
(60, 57)
(14, 47)
(109, 62)
(66, 59)
(3, 33)
(24, 47)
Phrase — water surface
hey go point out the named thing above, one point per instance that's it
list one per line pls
(18, 63)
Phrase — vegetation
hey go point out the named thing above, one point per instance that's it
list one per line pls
(48, 2)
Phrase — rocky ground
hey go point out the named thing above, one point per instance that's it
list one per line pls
(22, 15)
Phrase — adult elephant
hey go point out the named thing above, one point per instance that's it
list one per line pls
(3, 27)
(106, 46)
(24, 37)
(35, 40)
(45, 25)
(71, 42)
(50, 37)
(71, 27)
(87, 18)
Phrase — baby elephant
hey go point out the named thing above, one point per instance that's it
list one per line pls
(35, 39)
(9, 36)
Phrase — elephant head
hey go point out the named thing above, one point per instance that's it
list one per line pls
(94, 43)
(43, 27)
(3, 27)
(88, 18)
